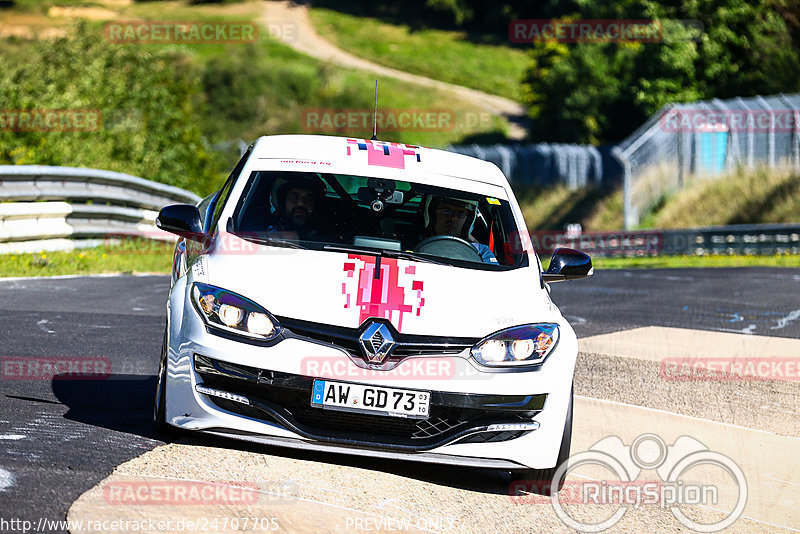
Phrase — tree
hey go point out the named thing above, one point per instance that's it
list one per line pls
(600, 92)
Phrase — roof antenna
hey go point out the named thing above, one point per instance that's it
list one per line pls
(375, 116)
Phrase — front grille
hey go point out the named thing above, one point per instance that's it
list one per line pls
(286, 399)
(382, 429)
(348, 339)
(296, 403)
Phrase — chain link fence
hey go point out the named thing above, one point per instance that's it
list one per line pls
(682, 141)
(705, 140)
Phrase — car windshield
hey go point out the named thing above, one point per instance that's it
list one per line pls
(345, 213)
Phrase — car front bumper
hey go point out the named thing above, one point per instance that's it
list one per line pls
(467, 403)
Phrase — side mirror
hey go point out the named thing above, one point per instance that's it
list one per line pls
(568, 264)
(182, 220)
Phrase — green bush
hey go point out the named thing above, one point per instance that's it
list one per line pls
(149, 100)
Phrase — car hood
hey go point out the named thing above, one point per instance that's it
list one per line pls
(344, 289)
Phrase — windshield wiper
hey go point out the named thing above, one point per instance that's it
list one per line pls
(411, 256)
(383, 253)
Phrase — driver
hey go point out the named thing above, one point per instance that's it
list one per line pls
(455, 217)
(298, 206)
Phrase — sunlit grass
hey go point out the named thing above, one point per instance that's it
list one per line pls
(747, 197)
(136, 257)
(133, 257)
(677, 262)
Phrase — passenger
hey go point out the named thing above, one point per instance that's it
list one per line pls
(299, 203)
(455, 217)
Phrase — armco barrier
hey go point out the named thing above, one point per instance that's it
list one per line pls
(755, 239)
(47, 208)
(51, 208)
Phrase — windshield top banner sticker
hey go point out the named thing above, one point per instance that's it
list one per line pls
(384, 154)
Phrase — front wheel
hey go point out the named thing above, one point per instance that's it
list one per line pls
(541, 480)
(160, 404)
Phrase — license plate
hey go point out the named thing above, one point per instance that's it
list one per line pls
(375, 400)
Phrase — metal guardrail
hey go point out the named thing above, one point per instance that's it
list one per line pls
(755, 240)
(47, 208)
(54, 208)
(751, 239)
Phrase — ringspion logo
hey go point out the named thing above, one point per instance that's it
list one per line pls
(609, 473)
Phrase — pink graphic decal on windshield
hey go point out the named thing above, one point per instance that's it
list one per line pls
(382, 289)
(384, 154)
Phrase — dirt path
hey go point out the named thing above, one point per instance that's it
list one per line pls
(307, 40)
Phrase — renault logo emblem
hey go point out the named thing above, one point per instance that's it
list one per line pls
(376, 342)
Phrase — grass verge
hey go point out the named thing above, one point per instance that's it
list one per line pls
(151, 258)
(692, 262)
(746, 197)
(156, 257)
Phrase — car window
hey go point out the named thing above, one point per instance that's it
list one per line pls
(222, 195)
(336, 212)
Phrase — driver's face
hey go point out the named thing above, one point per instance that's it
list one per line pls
(450, 219)
(300, 204)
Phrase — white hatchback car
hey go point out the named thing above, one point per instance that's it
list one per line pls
(368, 298)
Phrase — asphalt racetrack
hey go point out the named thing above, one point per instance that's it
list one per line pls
(60, 439)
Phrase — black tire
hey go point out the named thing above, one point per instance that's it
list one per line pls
(541, 480)
(160, 401)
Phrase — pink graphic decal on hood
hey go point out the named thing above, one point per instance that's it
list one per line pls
(381, 289)
(384, 154)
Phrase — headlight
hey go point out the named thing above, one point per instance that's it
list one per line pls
(521, 345)
(230, 311)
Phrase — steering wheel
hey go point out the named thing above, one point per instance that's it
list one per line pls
(449, 246)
